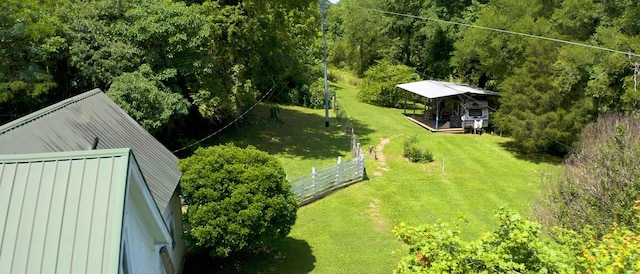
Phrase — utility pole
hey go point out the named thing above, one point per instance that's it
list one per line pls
(326, 81)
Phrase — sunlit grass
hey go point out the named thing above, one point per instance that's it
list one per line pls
(298, 138)
(350, 231)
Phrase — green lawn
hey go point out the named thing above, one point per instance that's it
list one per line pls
(350, 231)
(299, 139)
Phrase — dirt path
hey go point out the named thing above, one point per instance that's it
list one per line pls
(379, 155)
(379, 221)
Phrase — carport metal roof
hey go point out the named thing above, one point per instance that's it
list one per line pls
(437, 89)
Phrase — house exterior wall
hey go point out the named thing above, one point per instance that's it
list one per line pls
(172, 217)
(143, 232)
(140, 248)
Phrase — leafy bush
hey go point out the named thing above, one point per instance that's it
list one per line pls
(311, 96)
(600, 182)
(239, 199)
(316, 94)
(379, 85)
(414, 152)
(517, 246)
(618, 251)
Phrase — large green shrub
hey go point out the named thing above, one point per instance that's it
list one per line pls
(315, 97)
(414, 152)
(517, 246)
(379, 84)
(238, 199)
(514, 247)
(311, 96)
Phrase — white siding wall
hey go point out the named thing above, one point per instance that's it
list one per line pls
(141, 234)
(173, 219)
(143, 256)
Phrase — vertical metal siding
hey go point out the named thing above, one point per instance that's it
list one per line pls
(72, 124)
(57, 212)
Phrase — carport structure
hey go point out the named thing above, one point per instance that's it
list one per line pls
(450, 106)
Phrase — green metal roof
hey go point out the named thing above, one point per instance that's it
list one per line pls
(62, 212)
(72, 125)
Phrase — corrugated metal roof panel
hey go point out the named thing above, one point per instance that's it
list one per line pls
(437, 89)
(73, 124)
(62, 212)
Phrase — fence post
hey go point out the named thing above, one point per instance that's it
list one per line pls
(313, 181)
(360, 158)
(338, 171)
(444, 160)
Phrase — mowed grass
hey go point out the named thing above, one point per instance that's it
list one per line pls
(298, 138)
(350, 230)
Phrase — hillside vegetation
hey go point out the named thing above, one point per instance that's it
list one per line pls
(350, 231)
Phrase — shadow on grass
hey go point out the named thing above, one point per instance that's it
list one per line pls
(534, 157)
(296, 133)
(288, 255)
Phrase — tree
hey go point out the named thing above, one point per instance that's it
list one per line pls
(30, 47)
(143, 96)
(238, 199)
(379, 84)
(486, 66)
(425, 44)
(314, 97)
(361, 38)
(542, 102)
(98, 48)
(600, 181)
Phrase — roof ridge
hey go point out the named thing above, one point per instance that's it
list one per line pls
(65, 155)
(47, 110)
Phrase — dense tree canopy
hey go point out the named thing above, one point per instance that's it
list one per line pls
(30, 47)
(145, 98)
(550, 90)
(238, 199)
(222, 55)
(217, 56)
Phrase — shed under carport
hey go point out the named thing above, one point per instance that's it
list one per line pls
(459, 96)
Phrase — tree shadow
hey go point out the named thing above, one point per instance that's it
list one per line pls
(533, 157)
(293, 132)
(287, 255)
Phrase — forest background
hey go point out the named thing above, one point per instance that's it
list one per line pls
(182, 68)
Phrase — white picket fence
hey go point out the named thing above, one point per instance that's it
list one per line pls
(320, 183)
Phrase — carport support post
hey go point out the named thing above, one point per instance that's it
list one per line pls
(437, 112)
(405, 103)
(424, 102)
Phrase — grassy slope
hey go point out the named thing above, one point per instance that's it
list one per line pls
(350, 231)
(299, 139)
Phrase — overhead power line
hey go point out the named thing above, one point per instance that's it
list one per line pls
(503, 31)
(227, 125)
(517, 121)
